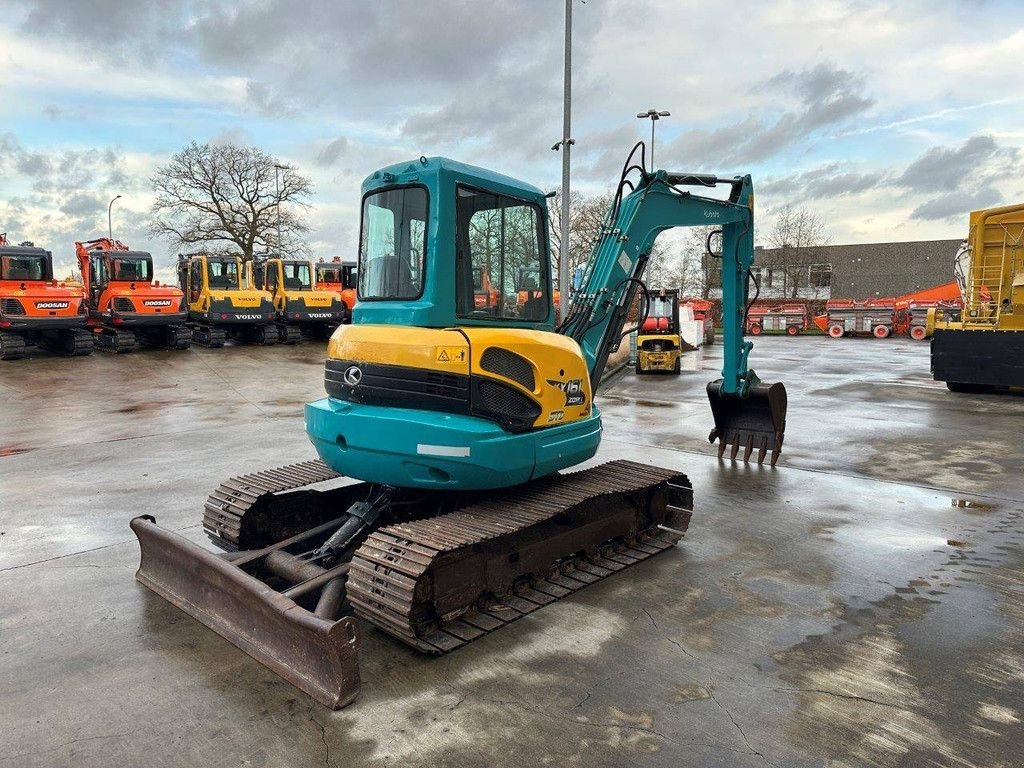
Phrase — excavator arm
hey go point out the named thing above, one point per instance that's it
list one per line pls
(747, 414)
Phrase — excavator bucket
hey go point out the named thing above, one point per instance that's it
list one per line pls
(756, 422)
(225, 592)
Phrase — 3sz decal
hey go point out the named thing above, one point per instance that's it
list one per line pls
(572, 389)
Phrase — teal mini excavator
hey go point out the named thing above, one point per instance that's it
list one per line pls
(440, 508)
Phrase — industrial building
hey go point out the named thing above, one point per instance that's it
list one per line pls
(851, 271)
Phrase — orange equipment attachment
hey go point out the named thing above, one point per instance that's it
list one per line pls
(35, 309)
(126, 305)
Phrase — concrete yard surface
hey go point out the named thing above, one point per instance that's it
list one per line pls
(862, 604)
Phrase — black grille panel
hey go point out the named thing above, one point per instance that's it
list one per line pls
(506, 405)
(398, 386)
(121, 304)
(11, 307)
(510, 365)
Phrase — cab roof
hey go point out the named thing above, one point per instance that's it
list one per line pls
(434, 172)
(22, 250)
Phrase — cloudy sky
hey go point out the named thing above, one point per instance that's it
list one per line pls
(891, 120)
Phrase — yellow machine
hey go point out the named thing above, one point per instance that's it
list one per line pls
(221, 304)
(984, 350)
(301, 310)
(659, 347)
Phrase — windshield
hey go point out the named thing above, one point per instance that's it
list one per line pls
(297, 276)
(500, 258)
(330, 275)
(392, 244)
(131, 270)
(661, 306)
(222, 274)
(23, 268)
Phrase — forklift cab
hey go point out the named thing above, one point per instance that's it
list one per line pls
(658, 344)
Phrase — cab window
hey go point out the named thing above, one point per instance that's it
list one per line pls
(23, 268)
(501, 255)
(331, 275)
(297, 276)
(392, 244)
(222, 274)
(131, 270)
(348, 276)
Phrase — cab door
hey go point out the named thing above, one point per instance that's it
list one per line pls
(275, 283)
(97, 280)
(195, 280)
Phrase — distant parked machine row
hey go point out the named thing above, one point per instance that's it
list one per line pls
(914, 314)
(119, 306)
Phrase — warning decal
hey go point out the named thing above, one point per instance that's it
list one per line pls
(450, 354)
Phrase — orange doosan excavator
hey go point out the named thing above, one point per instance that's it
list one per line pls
(340, 277)
(35, 309)
(126, 306)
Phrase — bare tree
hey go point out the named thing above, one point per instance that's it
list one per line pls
(226, 197)
(797, 233)
(586, 215)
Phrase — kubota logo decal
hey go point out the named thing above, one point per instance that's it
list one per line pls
(157, 302)
(573, 390)
(52, 305)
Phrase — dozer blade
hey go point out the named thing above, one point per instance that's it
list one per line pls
(756, 422)
(317, 656)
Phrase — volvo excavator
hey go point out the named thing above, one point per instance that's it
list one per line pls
(303, 310)
(220, 304)
(442, 506)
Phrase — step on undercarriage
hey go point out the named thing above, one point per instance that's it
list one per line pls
(435, 570)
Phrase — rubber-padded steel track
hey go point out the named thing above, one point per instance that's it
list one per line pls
(232, 513)
(440, 582)
(208, 335)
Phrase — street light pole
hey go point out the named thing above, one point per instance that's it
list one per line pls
(654, 115)
(567, 142)
(110, 223)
